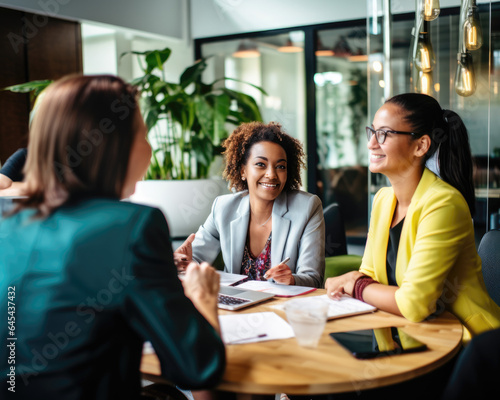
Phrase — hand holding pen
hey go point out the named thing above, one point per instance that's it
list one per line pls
(281, 273)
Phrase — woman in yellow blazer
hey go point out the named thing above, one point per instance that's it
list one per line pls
(420, 256)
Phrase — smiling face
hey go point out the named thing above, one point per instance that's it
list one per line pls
(399, 153)
(265, 170)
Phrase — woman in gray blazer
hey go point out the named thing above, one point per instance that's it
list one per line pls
(268, 219)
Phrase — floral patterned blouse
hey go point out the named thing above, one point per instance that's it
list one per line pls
(255, 268)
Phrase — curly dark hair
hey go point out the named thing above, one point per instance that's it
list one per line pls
(238, 145)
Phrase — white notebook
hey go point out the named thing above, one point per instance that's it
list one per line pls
(346, 306)
(276, 288)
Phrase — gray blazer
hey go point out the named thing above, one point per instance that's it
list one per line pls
(298, 232)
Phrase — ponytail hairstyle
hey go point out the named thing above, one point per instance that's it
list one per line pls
(449, 139)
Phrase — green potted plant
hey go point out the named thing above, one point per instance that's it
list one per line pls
(187, 123)
(187, 120)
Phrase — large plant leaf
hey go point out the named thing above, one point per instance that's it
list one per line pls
(33, 87)
(205, 114)
(212, 111)
(202, 150)
(240, 81)
(193, 73)
(154, 58)
(248, 110)
(150, 111)
(27, 87)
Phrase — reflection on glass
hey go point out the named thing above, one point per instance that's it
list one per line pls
(431, 9)
(322, 50)
(280, 74)
(465, 81)
(377, 66)
(246, 49)
(294, 43)
(341, 109)
(290, 47)
(372, 343)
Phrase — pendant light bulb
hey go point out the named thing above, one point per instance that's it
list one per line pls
(465, 81)
(424, 57)
(473, 34)
(431, 9)
(425, 83)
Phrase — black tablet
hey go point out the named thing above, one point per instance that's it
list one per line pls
(371, 343)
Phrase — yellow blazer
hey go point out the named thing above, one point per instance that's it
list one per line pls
(437, 265)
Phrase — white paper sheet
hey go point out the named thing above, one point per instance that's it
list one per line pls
(228, 279)
(344, 307)
(275, 288)
(254, 327)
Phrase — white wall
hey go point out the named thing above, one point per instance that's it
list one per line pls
(159, 17)
(103, 47)
(225, 17)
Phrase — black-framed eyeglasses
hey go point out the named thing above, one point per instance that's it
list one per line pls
(380, 134)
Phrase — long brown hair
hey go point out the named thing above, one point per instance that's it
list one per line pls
(80, 141)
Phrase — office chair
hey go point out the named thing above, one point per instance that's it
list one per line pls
(337, 261)
(335, 239)
(489, 251)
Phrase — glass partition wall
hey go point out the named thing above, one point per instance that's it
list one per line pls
(324, 83)
(273, 62)
(315, 79)
(340, 83)
(478, 108)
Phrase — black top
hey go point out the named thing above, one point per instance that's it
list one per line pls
(13, 167)
(392, 252)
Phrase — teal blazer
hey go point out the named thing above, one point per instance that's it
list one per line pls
(298, 232)
(90, 284)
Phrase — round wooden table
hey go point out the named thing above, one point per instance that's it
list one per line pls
(282, 366)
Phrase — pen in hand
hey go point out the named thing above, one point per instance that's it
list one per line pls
(282, 262)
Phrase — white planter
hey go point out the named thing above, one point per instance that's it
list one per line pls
(186, 204)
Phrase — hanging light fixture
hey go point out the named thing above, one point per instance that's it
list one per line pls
(342, 48)
(425, 83)
(431, 9)
(247, 49)
(322, 50)
(465, 80)
(290, 47)
(424, 57)
(473, 34)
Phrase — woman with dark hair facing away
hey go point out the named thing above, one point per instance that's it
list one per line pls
(420, 256)
(90, 276)
(268, 219)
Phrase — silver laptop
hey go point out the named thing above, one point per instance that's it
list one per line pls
(231, 298)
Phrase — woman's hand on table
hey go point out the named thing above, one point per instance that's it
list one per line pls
(281, 273)
(184, 254)
(343, 284)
